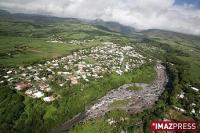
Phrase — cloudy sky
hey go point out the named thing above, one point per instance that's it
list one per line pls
(176, 15)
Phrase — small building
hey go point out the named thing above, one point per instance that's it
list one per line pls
(9, 72)
(193, 111)
(49, 99)
(180, 109)
(44, 87)
(29, 92)
(74, 80)
(22, 86)
(195, 89)
(48, 89)
(38, 94)
(181, 95)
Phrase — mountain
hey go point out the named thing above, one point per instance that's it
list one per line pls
(175, 37)
(4, 13)
(34, 18)
(169, 34)
(114, 26)
(41, 19)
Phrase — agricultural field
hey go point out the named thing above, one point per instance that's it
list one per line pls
(45, 41)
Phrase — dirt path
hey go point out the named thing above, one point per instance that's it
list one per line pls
(139, 100)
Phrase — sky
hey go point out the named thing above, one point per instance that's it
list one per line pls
(195, 3)
(175, 15)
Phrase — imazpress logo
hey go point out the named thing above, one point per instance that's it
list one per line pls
(173, 126)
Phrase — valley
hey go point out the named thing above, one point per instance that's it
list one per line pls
(75, 76)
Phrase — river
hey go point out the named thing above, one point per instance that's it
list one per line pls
(139, 100)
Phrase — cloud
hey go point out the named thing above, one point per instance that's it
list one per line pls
(141, 14)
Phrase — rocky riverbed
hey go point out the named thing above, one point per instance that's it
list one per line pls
(138, 100)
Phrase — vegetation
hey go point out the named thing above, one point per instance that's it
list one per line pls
(93, 127)
(121, 104)
(134, 88)
(25, 41)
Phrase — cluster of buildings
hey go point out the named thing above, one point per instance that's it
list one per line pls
(57, 39)
(181, 96)
(78, 42)
(81, 66)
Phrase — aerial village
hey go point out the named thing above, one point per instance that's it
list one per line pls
(181, 96)
(81, 66)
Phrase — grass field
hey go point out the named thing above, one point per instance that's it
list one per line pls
(119, 104)
(23, 43)
(134, 88)
(22, 51)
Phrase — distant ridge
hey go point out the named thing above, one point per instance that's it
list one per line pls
(169, 34)
(35, 18)
(114, 26)
(105, 25)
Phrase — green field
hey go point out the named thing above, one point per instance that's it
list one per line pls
(23, 43)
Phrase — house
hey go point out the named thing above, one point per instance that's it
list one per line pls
(10, 79)
(111, 121)
(181, 95)
(43, 86)
(180, 109)
(73, 80)
(44, 78)
(62, 84)
(6, 76)
(48, 89)
(193, 111)
(119, 72)
(9, 72)
(38, 94)
(22, 86)
(195, 89)
(193, 104)
(29, 92)
(29, 68)
(23, 74)
(36, 78)
(49, 99)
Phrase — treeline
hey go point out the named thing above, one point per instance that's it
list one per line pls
(11, 108)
